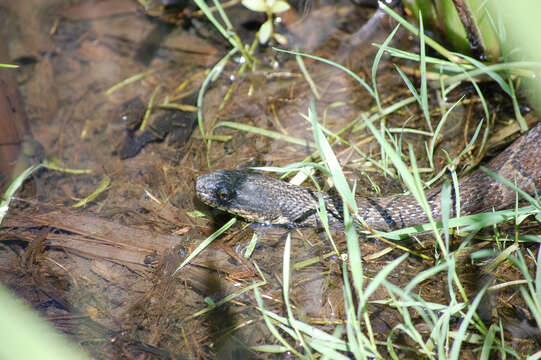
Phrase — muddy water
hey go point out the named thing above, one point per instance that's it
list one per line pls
(103, 273)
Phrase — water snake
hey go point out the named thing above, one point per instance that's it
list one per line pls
(266, 200)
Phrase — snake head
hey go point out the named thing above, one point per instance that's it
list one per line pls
(263, 199)
(217, 189)
(234, 192)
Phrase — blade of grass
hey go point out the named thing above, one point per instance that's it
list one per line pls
(15, 184)
(468, 222)
(285, 286)
(430, 42)
(128, 81)
(375, 65)
(225, 300)
(352, 323)
(446, 211)
(487, 343)
(271, 327)
(228, 34)
(263, 132)
(422, 69)
(460, 336)
(538, 277)
(326, 61)
(511, 185)
(330, 159)
(307, 76)
(212, 75)
(492, 71)
(205, 243)
(438, 130)
(102, 186)
(149, 107)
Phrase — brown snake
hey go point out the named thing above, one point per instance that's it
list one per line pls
(267, 200)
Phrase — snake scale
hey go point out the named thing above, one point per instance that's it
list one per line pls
(266, 200)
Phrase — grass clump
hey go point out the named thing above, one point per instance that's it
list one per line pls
(435, 330)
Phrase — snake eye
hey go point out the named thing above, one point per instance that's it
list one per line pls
(222, 193)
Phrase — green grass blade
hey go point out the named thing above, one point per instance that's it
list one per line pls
(330, 159)
(433, 44)
(206, 243)
(487, 343)
(538, 277)
(438, 130)
(409, 84)
(15, 184)
(285, 286)
(263, 132)
(274, 331)
(422, 70)
(377, 281)
(375, 65)
(508, 183)
(213, 74)
(467, 223)
(326, 61)
(461, 334)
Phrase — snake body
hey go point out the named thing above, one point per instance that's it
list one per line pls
(266, 200)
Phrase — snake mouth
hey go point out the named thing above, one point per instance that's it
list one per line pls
(203, 187)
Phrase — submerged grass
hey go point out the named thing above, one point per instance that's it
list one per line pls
(450, 326)
(17, 182)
